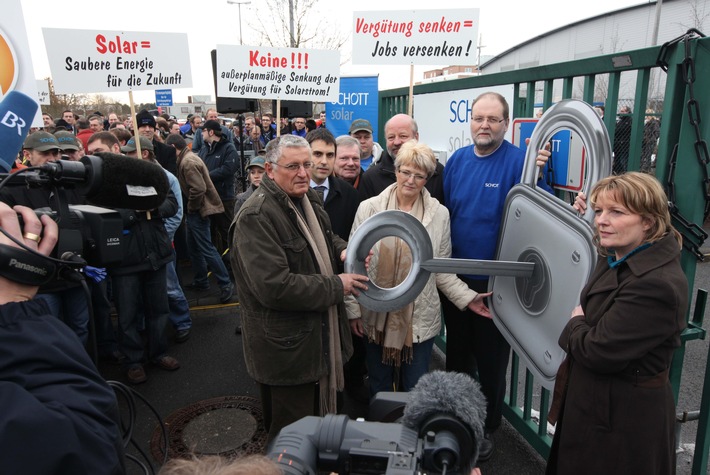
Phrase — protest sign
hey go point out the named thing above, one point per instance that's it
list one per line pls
(358, 99)
(43, 92)
(85, 61)
(415, 37)
(258, 72)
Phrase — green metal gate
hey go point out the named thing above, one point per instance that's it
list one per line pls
(599, 79)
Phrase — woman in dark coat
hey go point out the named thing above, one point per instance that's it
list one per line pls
(617, 412)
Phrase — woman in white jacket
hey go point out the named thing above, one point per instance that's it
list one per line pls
(404, 338)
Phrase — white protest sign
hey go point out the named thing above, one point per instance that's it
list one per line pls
(444, 118)
(43, 92)
(259, 72)
(84, 61)
(416, 37)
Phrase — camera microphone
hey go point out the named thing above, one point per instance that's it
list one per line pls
(17, 111)
(112, 181)
(448, 410)
(117, 181)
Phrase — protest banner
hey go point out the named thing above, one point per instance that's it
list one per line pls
(444, 118)
(16, 70)
(415, 37)
(43, 92)
(84, 61)
(358, 99)
(258, 72)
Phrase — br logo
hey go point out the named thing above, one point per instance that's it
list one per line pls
(8, 64)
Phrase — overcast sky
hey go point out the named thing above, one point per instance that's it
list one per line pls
(503, 24)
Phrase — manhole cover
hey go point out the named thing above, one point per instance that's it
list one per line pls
(230, 426)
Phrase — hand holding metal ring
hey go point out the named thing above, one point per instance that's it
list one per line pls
(412, 231)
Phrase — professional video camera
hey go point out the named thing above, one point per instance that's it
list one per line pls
(87, 233)
(440, 432)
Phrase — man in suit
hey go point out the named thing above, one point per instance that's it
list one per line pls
(340, 199)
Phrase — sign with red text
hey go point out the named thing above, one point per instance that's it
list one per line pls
(85, 61)
(257, 72)
(416, 37)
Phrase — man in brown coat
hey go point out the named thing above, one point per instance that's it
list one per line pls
(202, 201)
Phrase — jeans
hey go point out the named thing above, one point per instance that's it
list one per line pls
(179, 308)
(382, 375)
(71, 307)
(203, 253)
(128, 289)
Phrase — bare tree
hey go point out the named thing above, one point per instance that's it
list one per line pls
(698, 15)
(295, 24)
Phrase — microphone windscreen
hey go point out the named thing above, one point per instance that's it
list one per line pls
(441, 392)
(117, 181)
(17, 111)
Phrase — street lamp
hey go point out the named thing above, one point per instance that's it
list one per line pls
(239, 4)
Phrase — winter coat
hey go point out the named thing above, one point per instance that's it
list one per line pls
(618, 414)
(145, 244)
(426, 321)
(196, 185)
(341, 205)
(221, 160)
(284, 299)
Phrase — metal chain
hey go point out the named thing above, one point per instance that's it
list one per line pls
(694, 235)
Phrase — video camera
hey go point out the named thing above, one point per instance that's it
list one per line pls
(440, 433)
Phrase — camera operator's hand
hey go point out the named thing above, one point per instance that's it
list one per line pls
(39, 235)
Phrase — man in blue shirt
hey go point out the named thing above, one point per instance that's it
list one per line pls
(477, 179)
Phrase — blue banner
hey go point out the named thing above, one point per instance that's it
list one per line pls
(358, 99)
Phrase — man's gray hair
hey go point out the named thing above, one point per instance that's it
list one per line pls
(347, 141)
(275, 147)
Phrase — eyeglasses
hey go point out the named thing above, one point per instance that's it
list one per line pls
(490, 120)
(294, 167)
(407, 175)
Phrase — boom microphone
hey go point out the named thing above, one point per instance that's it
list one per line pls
(451, 406)
(125, 182)
(17, 110)
(113, 181)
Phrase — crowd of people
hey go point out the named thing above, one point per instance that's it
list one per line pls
(280, 244)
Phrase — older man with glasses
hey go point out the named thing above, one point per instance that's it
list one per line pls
(295, 331)
(299, 124)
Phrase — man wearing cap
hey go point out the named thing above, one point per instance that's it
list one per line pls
(220, 156)
(39, 148)
(370, 151)
(340, 199)
(255, 171)
(163, 154)
(140, 280)
(347, 160)
(66, 298)
(212, 114)
(203, 201)
(70, 145)
(177, 303)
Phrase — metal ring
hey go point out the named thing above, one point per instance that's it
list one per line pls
(382, 225)
(581, 118)
(32, 237)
